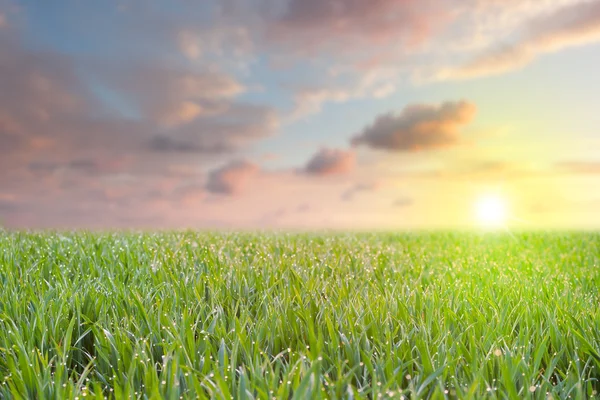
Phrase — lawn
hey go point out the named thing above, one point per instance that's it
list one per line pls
(329, 315)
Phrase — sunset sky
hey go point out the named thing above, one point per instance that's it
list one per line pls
(309, 114)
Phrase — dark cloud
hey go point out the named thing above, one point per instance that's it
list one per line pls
(163, 143)
(83, 164)
(331, 162)
(418, 127)
(43, 166)
(232, 178)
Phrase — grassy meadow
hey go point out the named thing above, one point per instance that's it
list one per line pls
(299, 316)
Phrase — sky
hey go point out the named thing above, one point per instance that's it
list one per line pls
(299, 114)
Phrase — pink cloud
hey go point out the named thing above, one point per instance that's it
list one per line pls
(232, 178)
(331, 162)
(335, 24)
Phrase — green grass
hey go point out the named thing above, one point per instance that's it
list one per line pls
(300, 316)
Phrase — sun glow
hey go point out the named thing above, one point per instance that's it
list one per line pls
(491, 211)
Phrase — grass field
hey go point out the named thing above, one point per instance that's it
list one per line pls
(188, 315)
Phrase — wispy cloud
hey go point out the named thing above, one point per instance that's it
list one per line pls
(572, 25)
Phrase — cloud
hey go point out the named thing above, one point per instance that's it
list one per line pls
(366, 39)
(188, 109)
(183, 113)
(366, 42)
(225, 41)
(378, 38)
(46, 107)
(167, 144)
(194, 110)
(171, 96)
(189, 194)
(375, 83)
(189, 44)
(418, 127)
(126, 129)
(9, 141)
(572, 25)
(47, 111)
(272, 218)
(339, 25)
(65, 141)
(303, 208)
(485, 170)
(331, 162)
(403, 202)
(349, 194)
(477, 170)
(233, 128)
(7, 205)
(579, 167)
(232, 178)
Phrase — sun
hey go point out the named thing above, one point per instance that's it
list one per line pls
(491, 211)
